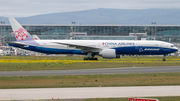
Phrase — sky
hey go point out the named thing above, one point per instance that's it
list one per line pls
(26, 8)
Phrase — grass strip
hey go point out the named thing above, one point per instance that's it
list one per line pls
(105, 80)
(171, 98)
(29, 63)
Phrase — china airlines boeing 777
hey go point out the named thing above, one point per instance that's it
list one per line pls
(105, 48)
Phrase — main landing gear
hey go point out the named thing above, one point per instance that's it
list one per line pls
(164, 58)
(87, 58)
(90, 56)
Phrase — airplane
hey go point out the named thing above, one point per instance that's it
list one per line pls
(105, 48)
(1, 52)
(35, 37)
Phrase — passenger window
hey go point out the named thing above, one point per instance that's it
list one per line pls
(172, 45)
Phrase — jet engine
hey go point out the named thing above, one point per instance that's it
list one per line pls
(109, 54)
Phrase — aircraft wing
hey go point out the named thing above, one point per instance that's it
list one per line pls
(80, 46)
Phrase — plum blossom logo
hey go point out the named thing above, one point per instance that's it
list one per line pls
(103, 43)
(21, 34)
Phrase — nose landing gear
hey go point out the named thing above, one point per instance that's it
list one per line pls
(164, 58)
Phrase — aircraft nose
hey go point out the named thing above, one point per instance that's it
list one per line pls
(176, 49)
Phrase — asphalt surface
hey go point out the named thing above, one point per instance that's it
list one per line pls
(94, 71)
(88, 92)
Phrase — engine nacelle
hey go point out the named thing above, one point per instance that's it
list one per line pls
(109, 53)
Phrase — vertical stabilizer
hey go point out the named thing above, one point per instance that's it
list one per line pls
(35, 37)
(20, 33)
(0, 42)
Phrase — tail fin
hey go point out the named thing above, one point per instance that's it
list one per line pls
(20, 33)
(35, 37)
(0, 42)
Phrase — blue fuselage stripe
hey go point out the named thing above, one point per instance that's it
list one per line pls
(144, 50)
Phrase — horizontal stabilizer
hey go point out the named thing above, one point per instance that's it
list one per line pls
(18, 43)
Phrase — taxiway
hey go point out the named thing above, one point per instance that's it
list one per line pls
(88, 92)
(94, 71)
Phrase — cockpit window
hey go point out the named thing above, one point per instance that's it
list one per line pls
(172, 45)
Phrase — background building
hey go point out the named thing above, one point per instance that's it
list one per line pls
(168, 33)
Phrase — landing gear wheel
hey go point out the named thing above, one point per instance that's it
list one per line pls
(96, 59)
(164, 59)
(91, 59)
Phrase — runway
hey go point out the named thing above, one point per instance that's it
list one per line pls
(88, 92)
(95, 71)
